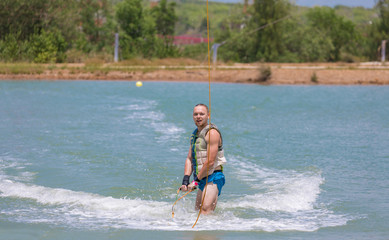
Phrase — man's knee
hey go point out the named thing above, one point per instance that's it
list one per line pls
(208, 207)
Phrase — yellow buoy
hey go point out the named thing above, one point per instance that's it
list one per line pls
(139, 84)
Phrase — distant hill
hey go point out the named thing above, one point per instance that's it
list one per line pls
(331, 3)
(192, 14)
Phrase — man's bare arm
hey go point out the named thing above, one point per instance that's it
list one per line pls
(188, 168)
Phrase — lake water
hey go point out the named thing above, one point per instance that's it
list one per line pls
(103, 160)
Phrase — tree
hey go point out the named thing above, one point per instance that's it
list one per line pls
(47, 47)
(21, 16)
(96, 23)
(165, 18)
(383, 8)
(269, 45)
(259, 35)
(203, 26)
(24, 23)
(27, 17)
(13, 49)
(381, 28)
(315, 46)
(149, 43)
(138, 28)
(129, 15)
(165, 21)
(326, 22)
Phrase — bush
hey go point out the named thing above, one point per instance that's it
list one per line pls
(94, 62)
(45, 47)
(48, 47)
(195, 51)
(264, 73)
(349, 58)
(74, 56)
(314, 78)
(12, 49)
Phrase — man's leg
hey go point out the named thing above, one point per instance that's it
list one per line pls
(210, 200)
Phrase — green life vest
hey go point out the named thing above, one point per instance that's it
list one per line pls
(199, 151)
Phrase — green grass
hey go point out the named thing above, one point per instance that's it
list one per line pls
(21, 68)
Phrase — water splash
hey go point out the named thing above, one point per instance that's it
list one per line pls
(286, 202)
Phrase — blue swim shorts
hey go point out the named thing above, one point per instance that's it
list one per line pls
(217, 178)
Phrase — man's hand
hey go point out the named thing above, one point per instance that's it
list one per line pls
(184, 188)
(192, 186)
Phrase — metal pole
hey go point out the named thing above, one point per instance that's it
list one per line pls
(214, 55)
(383, 51)
(116, 54)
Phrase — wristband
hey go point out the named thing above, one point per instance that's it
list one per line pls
(185, 180)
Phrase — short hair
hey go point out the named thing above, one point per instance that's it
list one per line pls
(202, 104)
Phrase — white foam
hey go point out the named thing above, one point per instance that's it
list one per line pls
(146, 116)
(286, 200)
(168, 131)
(278, 190)
(138, 105)
(17, 164)
(86, 205)
(145, 112)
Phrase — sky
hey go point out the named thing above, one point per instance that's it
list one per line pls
(331, 3)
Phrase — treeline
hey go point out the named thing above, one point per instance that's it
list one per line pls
(48, 31)
(45, 31)
(275, 31)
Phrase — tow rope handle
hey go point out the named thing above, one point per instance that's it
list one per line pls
(178, 191)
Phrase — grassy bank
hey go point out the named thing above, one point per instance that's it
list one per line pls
(196, 71)
(96, 66)
(21, 68)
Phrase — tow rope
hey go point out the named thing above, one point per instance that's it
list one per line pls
(178, 191)
(209, 105)
(209, 135)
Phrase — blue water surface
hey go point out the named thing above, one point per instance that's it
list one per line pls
(103, 160)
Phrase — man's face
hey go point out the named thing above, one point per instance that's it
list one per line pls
(200, 116)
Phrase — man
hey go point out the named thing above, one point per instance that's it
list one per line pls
(205, 141)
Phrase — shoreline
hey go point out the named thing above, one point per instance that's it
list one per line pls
(281, 74)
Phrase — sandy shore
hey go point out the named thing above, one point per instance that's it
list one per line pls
(326, 74)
